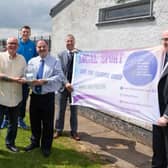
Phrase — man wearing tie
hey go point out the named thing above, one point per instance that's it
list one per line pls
(66, 58)
(49, 77)
(160, 131)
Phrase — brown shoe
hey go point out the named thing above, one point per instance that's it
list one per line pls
(75, 136)
(57, 135)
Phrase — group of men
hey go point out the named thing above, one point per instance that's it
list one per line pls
(51, 75)
(55, 74)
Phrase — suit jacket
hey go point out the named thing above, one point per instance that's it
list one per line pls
(63, 57)
(163, 92)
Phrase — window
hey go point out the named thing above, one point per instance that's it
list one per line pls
(138, 10)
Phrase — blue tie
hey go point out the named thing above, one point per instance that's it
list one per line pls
(38, 88)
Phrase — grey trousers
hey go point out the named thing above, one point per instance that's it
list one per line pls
(62, 103)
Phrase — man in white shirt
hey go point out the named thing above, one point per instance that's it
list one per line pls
(12, 67)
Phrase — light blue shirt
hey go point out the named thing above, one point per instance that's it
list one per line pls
(52, 73)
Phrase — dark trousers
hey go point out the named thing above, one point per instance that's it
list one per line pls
(62, 103)
(42, 119)
(25, 93)
(12, 126)
(160, 147)
(4, 115)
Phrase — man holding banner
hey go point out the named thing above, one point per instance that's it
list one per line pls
(160, 131)
(66, 59)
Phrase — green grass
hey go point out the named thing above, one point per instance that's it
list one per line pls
(65, 154)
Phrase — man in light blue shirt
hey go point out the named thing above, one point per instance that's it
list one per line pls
(42, 102)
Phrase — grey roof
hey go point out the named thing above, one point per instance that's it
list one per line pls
(59, 7)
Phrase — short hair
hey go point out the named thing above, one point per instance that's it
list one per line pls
(71, 36)
(44, 41)
(25, 27)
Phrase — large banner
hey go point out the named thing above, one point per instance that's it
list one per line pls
(120, 81)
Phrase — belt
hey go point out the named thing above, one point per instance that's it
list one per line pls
(45, 94)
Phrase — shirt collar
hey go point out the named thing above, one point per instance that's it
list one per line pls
(45, 58)
(21, 41)
(10, 57)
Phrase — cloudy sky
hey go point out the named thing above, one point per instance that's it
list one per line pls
(16, 13)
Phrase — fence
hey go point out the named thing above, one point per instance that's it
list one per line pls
(35, 39)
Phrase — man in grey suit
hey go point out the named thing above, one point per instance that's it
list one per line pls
(66, 59)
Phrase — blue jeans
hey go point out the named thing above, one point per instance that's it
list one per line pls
(60, 117)
(12, 126)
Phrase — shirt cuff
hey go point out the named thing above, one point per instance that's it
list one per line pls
(165, 116)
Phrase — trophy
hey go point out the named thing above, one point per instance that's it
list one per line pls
(30, 73)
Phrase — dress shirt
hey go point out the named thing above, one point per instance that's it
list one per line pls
(11, 92)
(52, 73)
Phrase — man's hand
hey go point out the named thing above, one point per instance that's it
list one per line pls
(9, 78)
(21, 81)
(69, 87)
(38, 82)
(162, 121)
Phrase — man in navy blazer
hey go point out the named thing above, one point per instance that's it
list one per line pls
(160, 131)
(66, 59)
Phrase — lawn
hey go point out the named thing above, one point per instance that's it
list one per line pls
(65, 154)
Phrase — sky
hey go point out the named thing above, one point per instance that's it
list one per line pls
(16, 13)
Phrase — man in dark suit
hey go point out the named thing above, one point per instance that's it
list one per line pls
(160, 131)
(66, 59)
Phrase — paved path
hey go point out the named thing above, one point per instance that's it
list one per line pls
(119, 151)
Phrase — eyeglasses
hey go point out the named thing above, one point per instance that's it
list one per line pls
(12, 43)
(165, 39)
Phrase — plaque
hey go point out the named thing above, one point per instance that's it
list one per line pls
(30, 73)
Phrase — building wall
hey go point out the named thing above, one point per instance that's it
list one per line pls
(80, 18)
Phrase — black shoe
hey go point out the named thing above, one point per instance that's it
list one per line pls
(12, 148)
(31, 147)
(75, 136)
(46, 152)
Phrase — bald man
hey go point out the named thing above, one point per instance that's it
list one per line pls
(12, 67)
(160, 131)
(42, 102)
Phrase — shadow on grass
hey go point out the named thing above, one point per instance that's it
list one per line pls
(59, 158)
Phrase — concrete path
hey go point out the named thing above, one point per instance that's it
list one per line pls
(117, 150)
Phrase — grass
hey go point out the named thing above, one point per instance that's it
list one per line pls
(65, 154)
